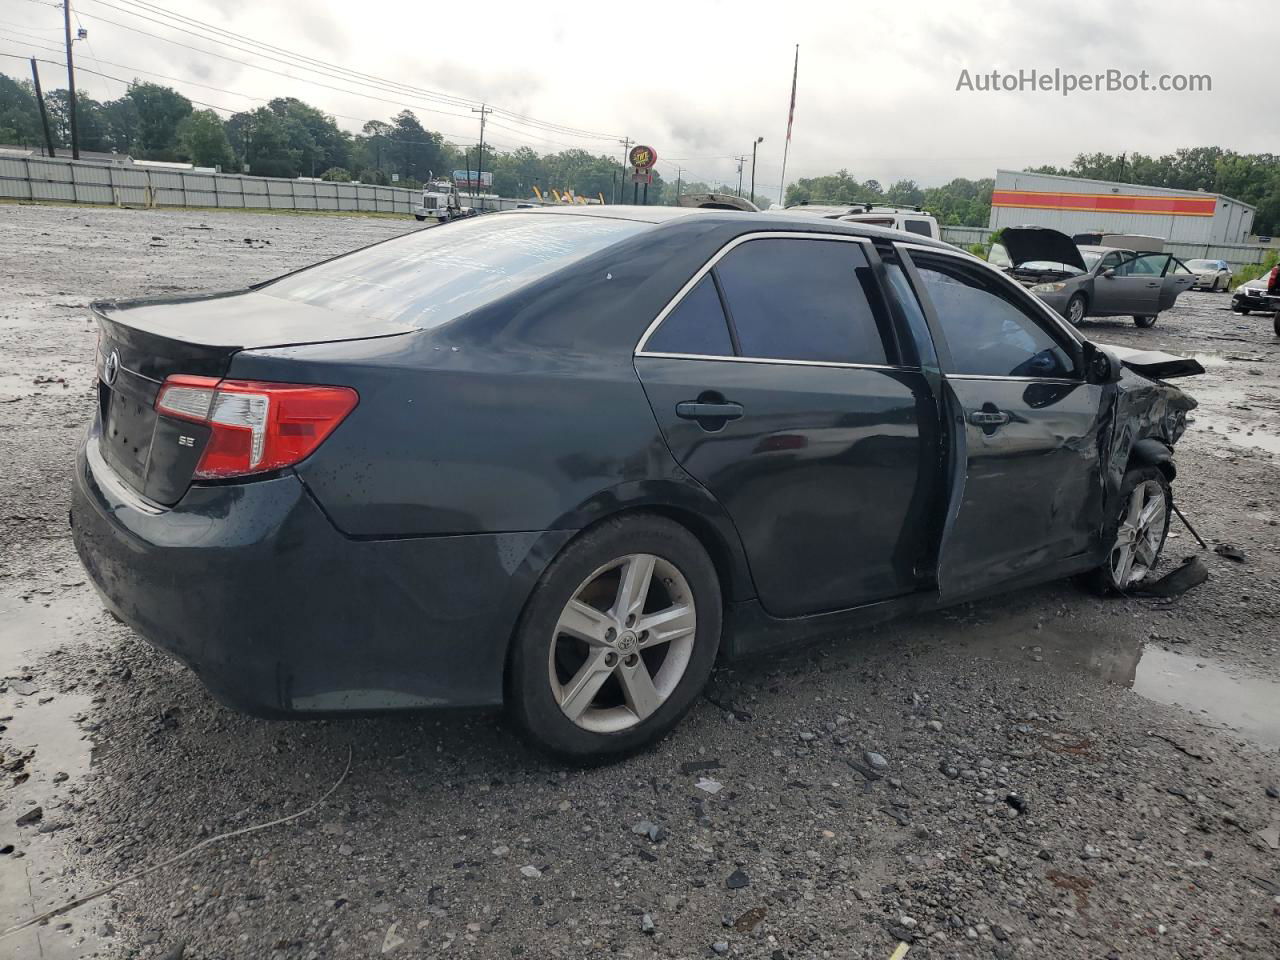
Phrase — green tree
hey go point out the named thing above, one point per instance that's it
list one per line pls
(159, 110)
(19, 113)
(336, 175)
(259, 138)
(203, 140)
(90, 121)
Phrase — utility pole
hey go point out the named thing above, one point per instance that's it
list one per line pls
(622, 183)
(741, 161)
(44, 113)
(758, 141)
(679, 177)
(71, 81)
(484, 110)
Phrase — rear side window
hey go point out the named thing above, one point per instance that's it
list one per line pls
(696, 326)
(431, 276)
(918, 226)
(792, 299)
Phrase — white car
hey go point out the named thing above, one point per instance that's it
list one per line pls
(1212, 275)
(906, 218)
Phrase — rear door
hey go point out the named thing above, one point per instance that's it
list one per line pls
(1026, 482)
(777, 381)
(1143, 277)
(1177, 278)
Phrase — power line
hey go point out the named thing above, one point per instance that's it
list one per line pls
(313, 65)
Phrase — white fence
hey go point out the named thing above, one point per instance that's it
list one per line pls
(71, 181)
(1236, 254)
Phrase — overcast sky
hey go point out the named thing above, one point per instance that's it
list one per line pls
(700, 81)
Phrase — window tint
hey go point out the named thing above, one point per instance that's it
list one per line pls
(1147, 265)
(918, 226)
(431, 276)
(987, 333)
(696, 325)
(804, 300)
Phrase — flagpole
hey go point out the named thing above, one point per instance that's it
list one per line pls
(791, 114)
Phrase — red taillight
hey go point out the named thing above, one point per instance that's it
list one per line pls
(256, 426)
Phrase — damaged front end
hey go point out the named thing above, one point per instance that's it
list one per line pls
(1149, 415)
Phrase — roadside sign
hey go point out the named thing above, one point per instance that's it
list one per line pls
(642, 157)
(642, 176)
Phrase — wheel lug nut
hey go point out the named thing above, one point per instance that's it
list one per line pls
(631, 660)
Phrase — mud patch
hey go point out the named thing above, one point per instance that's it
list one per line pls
(1226, 698)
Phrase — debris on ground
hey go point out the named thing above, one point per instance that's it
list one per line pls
(1190, 573)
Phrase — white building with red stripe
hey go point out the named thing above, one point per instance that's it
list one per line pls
(1075, 205)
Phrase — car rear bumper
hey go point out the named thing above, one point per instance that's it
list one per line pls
(278, 613)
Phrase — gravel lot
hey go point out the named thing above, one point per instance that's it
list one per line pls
(1054, 775)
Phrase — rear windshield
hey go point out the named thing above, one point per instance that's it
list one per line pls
(434, 275)
(1203, 264)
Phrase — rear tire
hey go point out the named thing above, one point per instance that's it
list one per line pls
(1275, 323)
(1241, 310)
(1145, 322)
(419, 217)
(1144, 488)
(586, 680)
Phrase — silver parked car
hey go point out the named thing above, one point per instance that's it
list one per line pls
(1081, 282)
(1211, 275)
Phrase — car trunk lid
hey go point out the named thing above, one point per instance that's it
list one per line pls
(142, 342)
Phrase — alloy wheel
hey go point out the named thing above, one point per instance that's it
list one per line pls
(1140, 536)
(1075, 311)
(622, 643)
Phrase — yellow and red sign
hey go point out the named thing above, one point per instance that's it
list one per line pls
(1107, 202)
(642, 157)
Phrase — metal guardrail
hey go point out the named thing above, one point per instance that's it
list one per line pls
(71, 181)
(1236, 254)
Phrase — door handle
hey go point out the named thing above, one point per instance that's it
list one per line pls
(989, 418)
(703, 410)
(1153, 284)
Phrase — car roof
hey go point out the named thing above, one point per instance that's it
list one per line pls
(745, 221)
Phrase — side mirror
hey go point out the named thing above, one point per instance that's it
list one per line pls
(1100, 366)
(1109, 272)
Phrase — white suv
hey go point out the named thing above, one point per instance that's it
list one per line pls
(907, 218)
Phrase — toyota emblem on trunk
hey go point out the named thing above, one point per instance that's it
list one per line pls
(111, 368)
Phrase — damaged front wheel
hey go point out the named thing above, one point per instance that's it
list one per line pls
(1138, 531)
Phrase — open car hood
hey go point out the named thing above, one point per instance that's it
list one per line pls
(1154, 364)
(1025, 244)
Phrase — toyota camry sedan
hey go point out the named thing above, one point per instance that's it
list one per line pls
(562, 460)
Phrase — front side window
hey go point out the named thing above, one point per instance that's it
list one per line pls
(987, 333)
(793, 299)
(696, 326)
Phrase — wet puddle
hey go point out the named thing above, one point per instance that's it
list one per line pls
(47, 739)
(1236, 406)
(1218, 695)
(35, 622)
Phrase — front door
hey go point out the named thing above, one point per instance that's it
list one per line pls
(775, 383)
(1027, 490)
